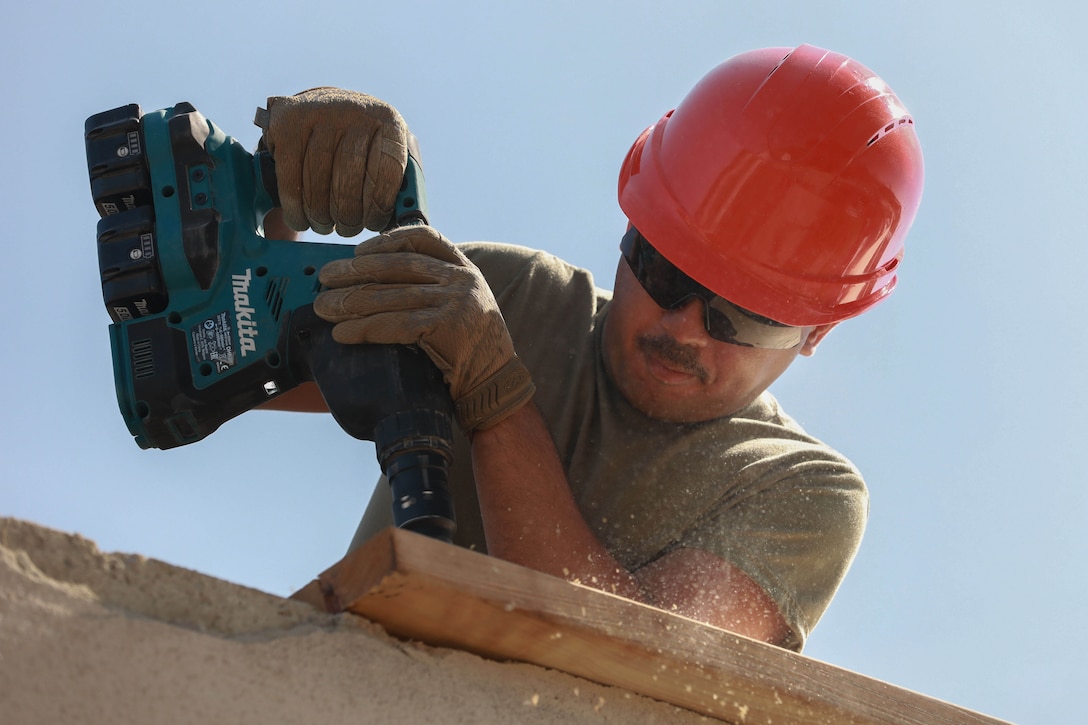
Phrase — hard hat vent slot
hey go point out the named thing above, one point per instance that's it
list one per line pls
(889, 128)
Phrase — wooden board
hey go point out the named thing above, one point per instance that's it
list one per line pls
(422, 589)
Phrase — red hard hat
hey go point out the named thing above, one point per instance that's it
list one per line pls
(785, 181)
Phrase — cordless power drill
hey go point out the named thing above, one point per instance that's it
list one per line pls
(212, 319)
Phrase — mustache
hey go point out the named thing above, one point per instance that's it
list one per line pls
(675, 354)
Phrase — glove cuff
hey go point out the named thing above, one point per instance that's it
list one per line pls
(495, 398)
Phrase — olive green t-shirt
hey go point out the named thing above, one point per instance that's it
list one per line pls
(752, 488)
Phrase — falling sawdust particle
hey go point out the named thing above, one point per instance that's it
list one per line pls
(534, 701)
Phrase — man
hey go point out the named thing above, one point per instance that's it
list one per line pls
(628, 441)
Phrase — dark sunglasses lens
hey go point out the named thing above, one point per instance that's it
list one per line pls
(720, 327)
(669, 288)
(729, 323)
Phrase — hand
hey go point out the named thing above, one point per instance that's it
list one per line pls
(412, 286)
(340, 159)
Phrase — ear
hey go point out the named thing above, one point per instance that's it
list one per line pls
(815, 336)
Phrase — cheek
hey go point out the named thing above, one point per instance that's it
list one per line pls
(618, 338)
(625, 322)
(634, 309)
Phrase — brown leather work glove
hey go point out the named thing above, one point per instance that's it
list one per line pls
(340, 159)
(412, 286)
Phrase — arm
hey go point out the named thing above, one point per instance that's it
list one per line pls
(707, 588)
(529, 515)
(531, 519)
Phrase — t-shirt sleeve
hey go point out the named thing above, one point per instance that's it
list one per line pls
(793, 523)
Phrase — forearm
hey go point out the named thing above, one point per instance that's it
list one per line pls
(276, 228)
(529, 515)
(306, 398)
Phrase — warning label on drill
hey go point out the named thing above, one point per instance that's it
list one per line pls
(213, 342)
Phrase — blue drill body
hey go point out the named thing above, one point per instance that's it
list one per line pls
(212, 319)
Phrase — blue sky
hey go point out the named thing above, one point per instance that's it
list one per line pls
(961, 398)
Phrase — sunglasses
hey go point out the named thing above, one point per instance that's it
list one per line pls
(670, 288)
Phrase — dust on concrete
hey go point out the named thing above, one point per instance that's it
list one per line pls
(94, 637)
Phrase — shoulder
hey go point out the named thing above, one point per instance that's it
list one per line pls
(508, 261)
(516, 271)
(769, 425)
(765, 453)
(791, 516)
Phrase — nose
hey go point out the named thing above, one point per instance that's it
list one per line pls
(687, 323)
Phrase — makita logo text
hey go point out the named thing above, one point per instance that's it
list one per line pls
(243, 313)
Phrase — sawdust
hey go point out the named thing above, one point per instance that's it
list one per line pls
(92, 637)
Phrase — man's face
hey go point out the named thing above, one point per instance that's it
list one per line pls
(668, 367)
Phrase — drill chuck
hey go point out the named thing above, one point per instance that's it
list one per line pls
(414, 452)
